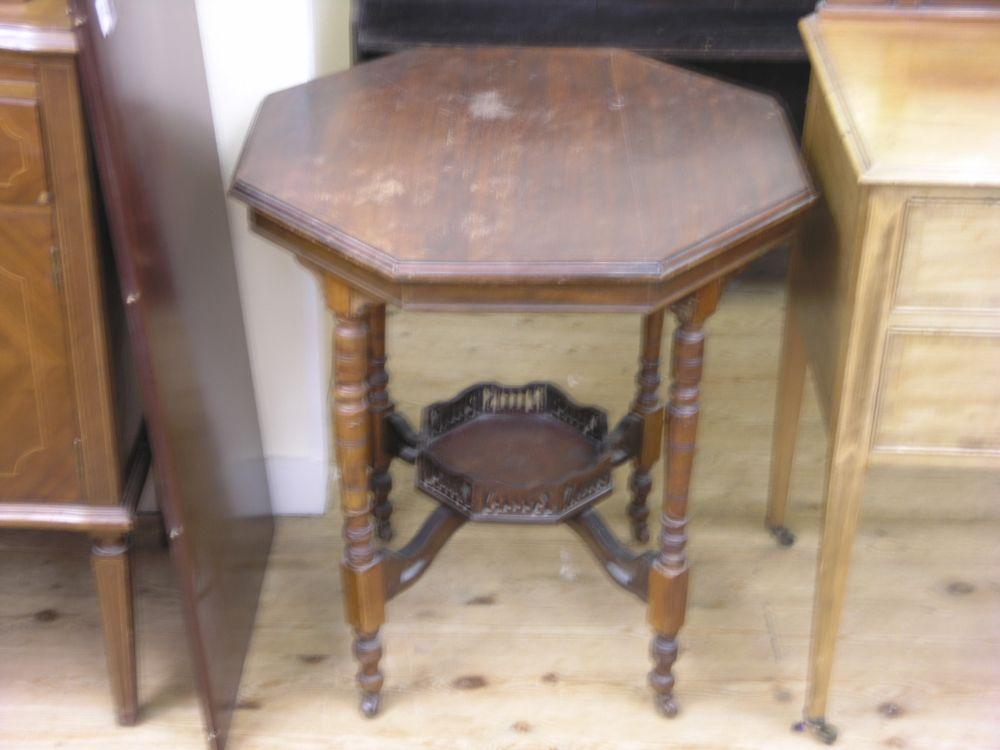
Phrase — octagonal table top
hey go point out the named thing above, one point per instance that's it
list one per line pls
(520, 166)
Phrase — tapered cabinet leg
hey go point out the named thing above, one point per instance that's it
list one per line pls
(668, 575)
(361, 567)
(648, 408)
(842, 503)
(112, 565)
(380, 406)
(791, 382)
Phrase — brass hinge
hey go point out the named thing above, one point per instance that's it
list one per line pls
(78, 447)
(57, 272)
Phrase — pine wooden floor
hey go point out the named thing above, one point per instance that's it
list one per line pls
(514, 639)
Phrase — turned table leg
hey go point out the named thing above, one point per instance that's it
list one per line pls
(111, 560)
(361, 567)
(668, 575)
(648, 408)
(379, 405)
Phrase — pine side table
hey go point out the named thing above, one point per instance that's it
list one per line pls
(519, 179)
(894, 300)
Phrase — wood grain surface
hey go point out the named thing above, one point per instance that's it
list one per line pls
(509, 165)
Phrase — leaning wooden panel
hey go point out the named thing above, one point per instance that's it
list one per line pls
(156, 152)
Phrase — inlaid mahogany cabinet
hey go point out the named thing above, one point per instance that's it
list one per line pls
(69, 417)
(894, 297)
(519, 179)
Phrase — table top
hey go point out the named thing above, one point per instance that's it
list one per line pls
(918, 98)
(527, 165)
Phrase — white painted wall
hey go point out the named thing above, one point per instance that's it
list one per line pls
(253, 47)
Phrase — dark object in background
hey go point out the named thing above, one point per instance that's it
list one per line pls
(755, 42)
(146, 96)
(752, 42)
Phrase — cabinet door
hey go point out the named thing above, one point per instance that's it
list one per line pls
(38, 422)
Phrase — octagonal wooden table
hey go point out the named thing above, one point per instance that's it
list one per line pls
(519, 179)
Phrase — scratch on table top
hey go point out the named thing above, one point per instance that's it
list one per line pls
(489, 105)
(622, 112)
(379, 190)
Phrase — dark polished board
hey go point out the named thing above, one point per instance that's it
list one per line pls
(147, 103)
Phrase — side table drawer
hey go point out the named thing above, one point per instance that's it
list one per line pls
(22, 163)
(939, 393)
(950, 255)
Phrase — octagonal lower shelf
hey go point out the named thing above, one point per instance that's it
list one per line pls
(526, 454)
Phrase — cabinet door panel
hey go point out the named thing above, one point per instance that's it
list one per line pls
(22, 165)
(38, 423)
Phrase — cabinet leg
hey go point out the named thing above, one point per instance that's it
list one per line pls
(791, 382)
(361, 568)
(648, 408)
(668, 575)
(842, 503)
(380, 406)
(111, 562)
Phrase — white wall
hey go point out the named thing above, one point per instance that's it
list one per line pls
(253, 47)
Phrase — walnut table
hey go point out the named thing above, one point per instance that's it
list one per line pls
(518, 179)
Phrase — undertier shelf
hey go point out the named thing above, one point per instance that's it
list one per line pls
(526, 454)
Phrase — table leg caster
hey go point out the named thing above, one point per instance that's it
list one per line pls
(783, 535)
(667, 705)
(818, 728)
(383, 529)
(370, 704)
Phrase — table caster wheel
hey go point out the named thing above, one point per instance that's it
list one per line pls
(370, 704)
(667, 705)
(818, 728)
(783, 535)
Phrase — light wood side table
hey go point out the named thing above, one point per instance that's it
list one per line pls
(894, 297)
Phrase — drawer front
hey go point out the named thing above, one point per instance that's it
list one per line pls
(951, 255)
(939, 393)
(38, 417)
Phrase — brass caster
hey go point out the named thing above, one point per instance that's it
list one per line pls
(783, 535)
(667, 705)
(370, 703)
(818, 728)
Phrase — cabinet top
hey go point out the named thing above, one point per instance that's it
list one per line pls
(37, 26)
(474, 164)
(916, 98)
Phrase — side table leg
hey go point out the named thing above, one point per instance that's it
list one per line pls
(648, 407)
(841, 507)
(111, 559)
(361, 568)
(791, 381)
(380, 406)
(668, 575)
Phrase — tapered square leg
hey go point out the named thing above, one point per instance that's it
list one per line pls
(791, 383)
(111, 560)
(668, 575)
(361, 567)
